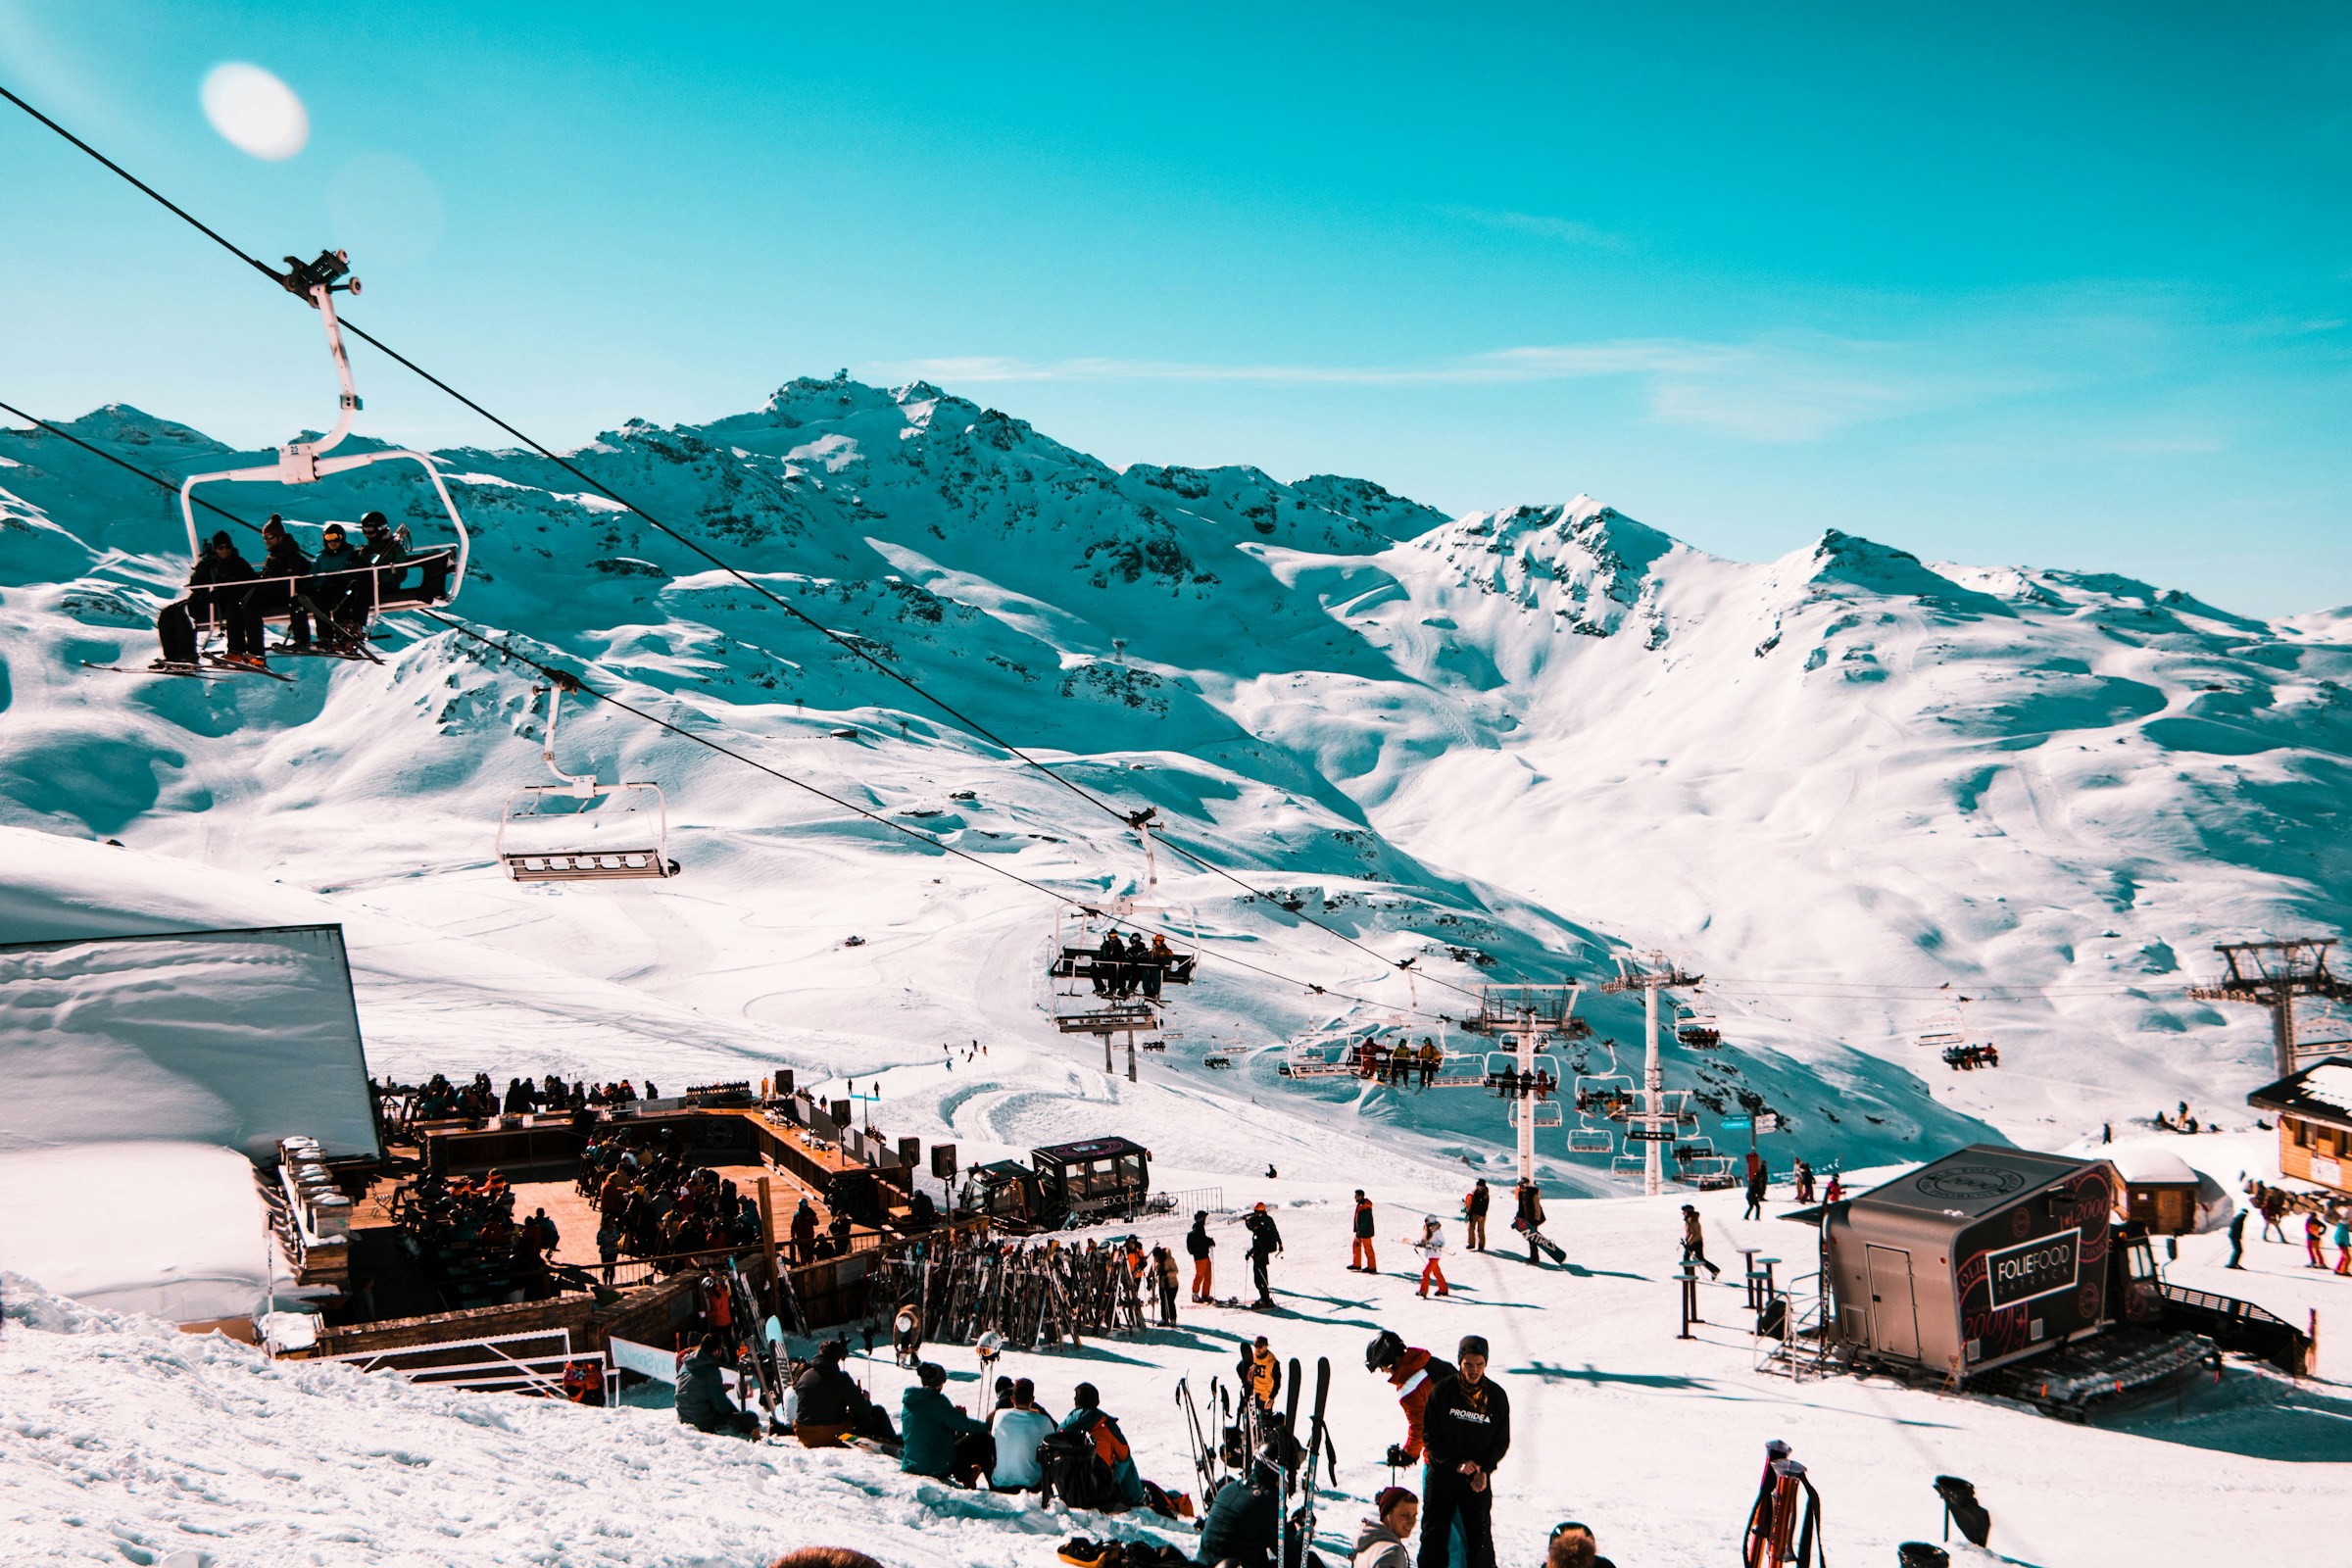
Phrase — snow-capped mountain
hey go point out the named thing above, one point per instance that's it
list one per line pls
(1849, 786)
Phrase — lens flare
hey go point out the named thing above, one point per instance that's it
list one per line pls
(254, 110)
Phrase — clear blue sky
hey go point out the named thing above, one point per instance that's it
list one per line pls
(2066, 285)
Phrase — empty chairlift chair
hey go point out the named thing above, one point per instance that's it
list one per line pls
(582, 831)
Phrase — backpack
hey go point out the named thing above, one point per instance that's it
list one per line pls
(1078, 1474)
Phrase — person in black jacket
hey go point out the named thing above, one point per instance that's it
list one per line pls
(208, 598)
(273, 592)
(703, 1401)
(1468, 1428)
(1198, 1245)
(1264, 1242)
(1244, 1521)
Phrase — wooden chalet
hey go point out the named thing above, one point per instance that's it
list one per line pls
(2313, 1108)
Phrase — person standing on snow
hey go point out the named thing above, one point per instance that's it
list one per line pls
(1432, 1248)
(1360, 1257)
(1758, 1177)
(2314, 1232)
(1694, 1242)
(1261, 1373)
(1530, 1219)
(1163, 1276)
(1468, 1425)
(1198, 1245)
(1474, 1216)
(1414, 1374)
(1265, 1241)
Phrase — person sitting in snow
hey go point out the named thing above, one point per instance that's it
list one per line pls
(702, 1399)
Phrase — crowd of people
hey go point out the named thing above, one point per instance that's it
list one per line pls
(335, 591)
(440, 1099)
(654, 1202)
(465, 1231)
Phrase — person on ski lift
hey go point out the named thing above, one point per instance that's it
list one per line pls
(340, 590)
(1400, 1064)
(1431, 1058)
(272, 593)
(1110, 966)
(206, 601)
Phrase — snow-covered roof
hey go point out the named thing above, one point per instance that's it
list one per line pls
(2322, 1092)
(2143, 1167)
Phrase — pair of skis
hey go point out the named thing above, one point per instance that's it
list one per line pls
(206, 671)
(1300, 1539)
(1204, 1453)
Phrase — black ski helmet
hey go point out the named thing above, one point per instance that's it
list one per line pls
(1383, 1351)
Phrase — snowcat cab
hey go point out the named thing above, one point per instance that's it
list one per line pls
(581, 830)
(431, 576)
(1098, 1176)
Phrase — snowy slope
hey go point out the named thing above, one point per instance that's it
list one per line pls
(1837, 782)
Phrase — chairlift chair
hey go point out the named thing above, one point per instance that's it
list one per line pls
(1546, 1112)
(442, 568)
(1603, 1090)
(1590, 1140)
(1696, 1029)
(1942, 1031)
(1626, 1163)
(1080, 931)
(580, 830)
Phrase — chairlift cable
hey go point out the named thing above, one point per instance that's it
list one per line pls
(848, 644)
(572, 684)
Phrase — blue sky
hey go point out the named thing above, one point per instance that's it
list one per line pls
(2061, 285)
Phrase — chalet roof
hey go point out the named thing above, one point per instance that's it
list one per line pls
(2321, 1091)
(1972, 1182)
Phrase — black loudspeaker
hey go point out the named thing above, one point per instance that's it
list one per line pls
(943, 1161)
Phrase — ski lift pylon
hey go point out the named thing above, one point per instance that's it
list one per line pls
(580, 830)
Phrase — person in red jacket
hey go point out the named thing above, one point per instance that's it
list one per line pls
(1412, 1372)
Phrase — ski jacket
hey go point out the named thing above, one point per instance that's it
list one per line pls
(1416, 1377)
(1261, 1375)
(1019, 1433)
(1467, 1423)
(211, 576)
(929, 1425)
(1165, 1266)
(1475, 1205)
(1363, 1220)
(334, 567)
(703, 1400)
(1111, 1447)
(1531, 1208)
(829, 1397)
(1379, 1548)
(1245, 1522)
(1264, 1240)
(1432, 1243)
(1692, 1234)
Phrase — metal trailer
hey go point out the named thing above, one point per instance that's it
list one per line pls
(1972, 1262)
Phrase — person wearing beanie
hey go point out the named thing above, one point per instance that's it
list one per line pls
(211, 599)
(1087, 1418)
(1467, 1428)
(940, 1439)
(1381, 1544)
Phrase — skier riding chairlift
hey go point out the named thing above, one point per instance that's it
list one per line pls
(374, 581)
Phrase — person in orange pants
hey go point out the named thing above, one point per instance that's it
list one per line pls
(1200, 1244)
(1432, 1248)
(1360, 1258)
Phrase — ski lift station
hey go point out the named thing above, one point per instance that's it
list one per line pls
(1977, 1260)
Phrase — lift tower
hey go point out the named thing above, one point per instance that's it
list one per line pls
(1526, 1078)
(2273, 974)
(1657, 1116)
